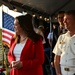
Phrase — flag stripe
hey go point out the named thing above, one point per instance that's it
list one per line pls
(6, 37)
(7, 31)
(6, 40)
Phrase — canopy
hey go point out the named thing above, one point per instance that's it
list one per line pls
(44, 7)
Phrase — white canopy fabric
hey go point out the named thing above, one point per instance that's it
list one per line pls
(8, 11)
(46, 6)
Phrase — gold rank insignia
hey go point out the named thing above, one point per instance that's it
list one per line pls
(62, 42)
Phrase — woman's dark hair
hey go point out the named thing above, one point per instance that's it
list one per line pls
(25, 22)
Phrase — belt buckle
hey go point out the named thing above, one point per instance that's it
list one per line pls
(66, 69)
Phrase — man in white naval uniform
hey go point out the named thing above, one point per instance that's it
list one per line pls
(64, 49)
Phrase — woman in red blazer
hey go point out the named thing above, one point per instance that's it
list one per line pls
(26, 53)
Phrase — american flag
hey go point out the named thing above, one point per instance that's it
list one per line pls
(7, 28)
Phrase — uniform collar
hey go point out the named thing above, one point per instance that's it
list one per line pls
(68, 34)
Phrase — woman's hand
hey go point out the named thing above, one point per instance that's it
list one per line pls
(17, 64)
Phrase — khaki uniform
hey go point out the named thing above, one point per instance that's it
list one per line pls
(65, 48)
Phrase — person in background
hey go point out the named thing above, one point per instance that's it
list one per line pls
(61, 28)
(26, 53)
(41, 32)
(50, 35)
(50, 40)
(64, 49)
(39, 29)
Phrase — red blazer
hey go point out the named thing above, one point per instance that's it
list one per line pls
(32, 57)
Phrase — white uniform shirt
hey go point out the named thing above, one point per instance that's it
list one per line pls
(65, 47)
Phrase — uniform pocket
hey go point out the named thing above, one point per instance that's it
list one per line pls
(62, 47)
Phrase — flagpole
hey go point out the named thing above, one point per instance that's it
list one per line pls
(5, 61)
(3, 52)
(1, 40)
